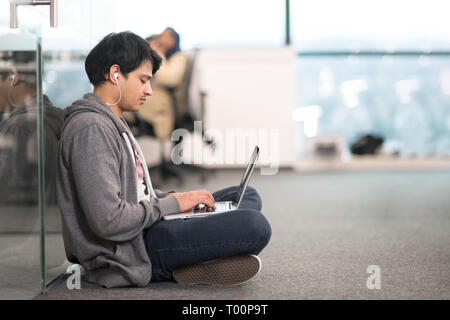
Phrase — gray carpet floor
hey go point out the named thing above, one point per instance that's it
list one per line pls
(327, 228)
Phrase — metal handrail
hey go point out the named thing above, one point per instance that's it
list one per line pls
(13, 4)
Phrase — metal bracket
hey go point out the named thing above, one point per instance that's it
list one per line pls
(13, 4)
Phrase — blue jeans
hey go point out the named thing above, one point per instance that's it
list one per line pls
(172, 244)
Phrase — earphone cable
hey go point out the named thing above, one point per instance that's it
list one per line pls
(120, 95)
(9, 93)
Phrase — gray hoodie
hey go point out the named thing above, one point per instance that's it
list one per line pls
(102, 221)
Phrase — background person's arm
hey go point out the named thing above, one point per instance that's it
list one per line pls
(172, 71)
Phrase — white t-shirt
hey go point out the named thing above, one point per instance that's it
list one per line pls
(142, 190)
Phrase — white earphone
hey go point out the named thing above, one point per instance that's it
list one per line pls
(13, 77)
(120, 91)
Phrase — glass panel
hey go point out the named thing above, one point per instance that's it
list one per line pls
(20, 222)
(38, 133)
(404, 99)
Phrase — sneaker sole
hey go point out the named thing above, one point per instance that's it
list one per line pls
(223, 272)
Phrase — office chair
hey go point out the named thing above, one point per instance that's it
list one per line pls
(185, 114)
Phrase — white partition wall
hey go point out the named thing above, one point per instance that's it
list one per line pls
(249, 99)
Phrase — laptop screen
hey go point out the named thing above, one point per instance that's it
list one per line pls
(248, 173)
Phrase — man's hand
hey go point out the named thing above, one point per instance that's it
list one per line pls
(188, 200)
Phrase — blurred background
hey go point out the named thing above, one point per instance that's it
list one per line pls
(325, 86)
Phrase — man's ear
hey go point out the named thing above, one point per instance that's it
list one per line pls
(114, 73)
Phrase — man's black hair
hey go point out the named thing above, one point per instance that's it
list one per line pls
(126, 49)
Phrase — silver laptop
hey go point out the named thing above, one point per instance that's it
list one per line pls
(221, 206)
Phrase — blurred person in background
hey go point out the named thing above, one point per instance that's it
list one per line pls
(160, 111)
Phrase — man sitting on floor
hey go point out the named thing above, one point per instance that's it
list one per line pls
(111, 215)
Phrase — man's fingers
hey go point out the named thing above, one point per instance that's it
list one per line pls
(205, 197)
(210, 198)
(209, 202)
(212, 201)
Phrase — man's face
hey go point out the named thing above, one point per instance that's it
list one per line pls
(136, 88)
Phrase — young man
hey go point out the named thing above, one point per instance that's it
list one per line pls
(111, 215)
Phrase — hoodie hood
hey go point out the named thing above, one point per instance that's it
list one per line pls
(53, 117)
(93, 103)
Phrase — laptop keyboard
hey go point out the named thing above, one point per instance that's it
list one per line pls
(201, 208)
